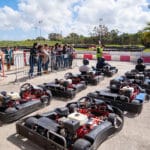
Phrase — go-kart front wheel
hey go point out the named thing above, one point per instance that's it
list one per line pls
(11, 110)
(81, 144)
(116, 120)
(45, 100)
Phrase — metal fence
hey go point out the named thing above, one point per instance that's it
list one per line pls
(24, 64)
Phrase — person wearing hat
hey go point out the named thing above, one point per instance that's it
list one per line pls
(140, 66)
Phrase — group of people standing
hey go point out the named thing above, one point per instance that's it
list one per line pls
(53, 57)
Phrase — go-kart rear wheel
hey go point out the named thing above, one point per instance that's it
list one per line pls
(31, 122)
(124, 98)
(136, 102)
(45, 100)
(11, 110)
(147, 98)
(81, 144)
(116, 121)
(70, 94)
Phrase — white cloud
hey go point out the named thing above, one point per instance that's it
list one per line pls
(75, 16)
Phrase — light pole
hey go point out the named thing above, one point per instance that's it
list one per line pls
(35, 31)
(100, 27)
(40, 22)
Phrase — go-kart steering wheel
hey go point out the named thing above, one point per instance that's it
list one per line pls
(68, 75)
(26, 86)
(84, 102)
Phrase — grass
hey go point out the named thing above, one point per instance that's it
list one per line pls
(26, 43)
(147, 50)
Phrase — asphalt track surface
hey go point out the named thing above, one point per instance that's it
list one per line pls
(135, 134)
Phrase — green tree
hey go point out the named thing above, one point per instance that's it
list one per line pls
(146, 35)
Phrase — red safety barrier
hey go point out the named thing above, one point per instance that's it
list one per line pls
(107, 57)
(88, 56)
(124, 58)
(146, 59)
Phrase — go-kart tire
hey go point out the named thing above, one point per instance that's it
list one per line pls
(109, 74)
(81, 144)
(72, 108)
(31, 122)
(95, 81)
(114, 90)
(70, 94)
(45, 100)
(21, 94)
(10, 110)
(147, 98)
(124, 98)
(116, 121)
(135, 102)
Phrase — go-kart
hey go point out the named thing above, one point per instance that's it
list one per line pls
(135, 74)
(90, 77)
(117, 83)
(76, 82)
(64, 88)
(130, 98)
(14, 105)
(81, 125)
(107, 70)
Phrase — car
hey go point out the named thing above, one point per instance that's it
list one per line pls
(90, 78)
(15, 105)
(130, 98)
(66, 88)
(80, 125)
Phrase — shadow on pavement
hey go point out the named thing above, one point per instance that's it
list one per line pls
(22, 143)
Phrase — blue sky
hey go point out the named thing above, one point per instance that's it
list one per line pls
(19, 18)
(11, 3)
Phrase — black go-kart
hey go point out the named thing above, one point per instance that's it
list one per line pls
(130, 98)
(90, 78)
(143, 82)
(15, 105)
(81, 125)
(65, 88)
(135, 74)
(107, 70)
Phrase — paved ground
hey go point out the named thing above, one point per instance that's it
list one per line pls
(135, 133)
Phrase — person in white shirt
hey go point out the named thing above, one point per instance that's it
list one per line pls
(84, 69)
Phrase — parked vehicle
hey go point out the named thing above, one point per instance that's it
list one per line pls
(14, 105)
(81, 125)
(129, 98)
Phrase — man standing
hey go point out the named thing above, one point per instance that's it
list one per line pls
(1, 59)
(99, 52)
(8, 57)
(33, 59)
